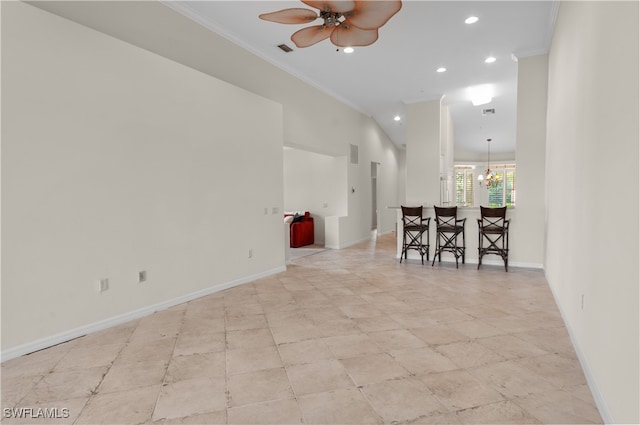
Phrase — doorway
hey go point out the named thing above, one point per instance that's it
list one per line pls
(374, 195)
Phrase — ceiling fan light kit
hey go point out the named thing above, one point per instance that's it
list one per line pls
(345, 23)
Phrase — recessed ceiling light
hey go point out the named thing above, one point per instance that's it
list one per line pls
(471, 20)
(396, 118)
(441, 69)
(490, 59)
(348, 49)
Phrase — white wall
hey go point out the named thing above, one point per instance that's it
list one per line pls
(592, 194)
(116, 160)
(313, 180)
(332, 179)
(448, 194)
(141, 200)
(402, 177)
(374, 146)
(312, 120)
(423, 153)
(531, 127)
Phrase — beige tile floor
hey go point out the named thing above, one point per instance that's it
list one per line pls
(341, 337)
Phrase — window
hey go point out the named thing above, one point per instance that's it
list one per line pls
(505, 192)
(466, 178)
(464, 185)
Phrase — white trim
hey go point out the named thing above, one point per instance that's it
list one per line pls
(132, 315)
(548, 37)
(387, 232)
(529, 53)
(551, 26)
(358, 241)
(347, 245)
(591, 382)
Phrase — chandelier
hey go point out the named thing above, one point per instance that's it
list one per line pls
(490, 179)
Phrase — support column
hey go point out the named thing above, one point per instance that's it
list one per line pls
(530, 153)
(423, 153)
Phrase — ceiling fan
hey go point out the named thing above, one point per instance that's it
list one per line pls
(346, 23)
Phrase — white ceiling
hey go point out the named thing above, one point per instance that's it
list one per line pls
(400, 67)
(379, 79)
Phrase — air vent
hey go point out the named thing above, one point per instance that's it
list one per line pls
(285, 48)
(490, 111)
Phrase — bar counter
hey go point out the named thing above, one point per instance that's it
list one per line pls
(520, 254)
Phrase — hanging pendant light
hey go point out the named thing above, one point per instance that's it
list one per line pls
(490, 179)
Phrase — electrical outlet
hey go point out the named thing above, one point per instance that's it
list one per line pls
(266, 211)
(250, 253)
(103, 285)
(582, 302)
(142, 276)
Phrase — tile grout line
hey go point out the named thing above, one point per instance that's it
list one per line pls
(94, 392)
(166, 371)
(295, 396)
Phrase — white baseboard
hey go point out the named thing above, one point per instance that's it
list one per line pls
(348, 244)
(591, 382)
(123, 318)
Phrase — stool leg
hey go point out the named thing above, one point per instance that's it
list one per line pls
(479, 249)
(420, 249)
(437, 249)
(464, 245)
(427, 244)
(455, 247)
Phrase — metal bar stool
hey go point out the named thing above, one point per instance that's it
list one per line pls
(493, 228)
(448, 227)
(413, 227)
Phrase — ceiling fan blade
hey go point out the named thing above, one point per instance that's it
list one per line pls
(373, 14)
(337, 6)
(311, 35)
(290, 16)
(346, 35)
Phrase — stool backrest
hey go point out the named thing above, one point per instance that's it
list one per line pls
(446, 216)
(493, 216)
(411, 216)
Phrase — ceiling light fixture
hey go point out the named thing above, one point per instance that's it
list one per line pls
(348, 49)
(490, 179)
(471, 20)
(396, 118)
(345, 23)
(490, 59)
(481, 95)
(441, 69)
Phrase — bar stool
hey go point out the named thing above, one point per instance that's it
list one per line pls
(493, 228)
(448, 227)
(413, 227)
